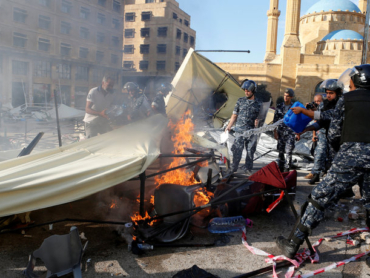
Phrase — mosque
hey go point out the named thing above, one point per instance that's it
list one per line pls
(321, 44)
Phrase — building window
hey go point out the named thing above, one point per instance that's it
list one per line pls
(115, 41)
(186, 22)
(42, 69)
(162, 31)
(184, 52)
(177, 66)
(115, 23)
(128, 64)
(84, 33)
(84, 12)
(82, 73)
(101, 18)
(143, 65)
(83, 52)
(130, 17)
(128, 49)
(161, 48)
(99, 56)
(174, 15)
(149, 1)
(186, 37)
(44, 44)
(19, 15)
(41, 94)
(101, 2)
(80, 96)
(19, 39)
(192, 40)
(65, 27)
(44, 22)
(100, 37)
(180, 20)
(145, 32)
(66, 7)
(129, 33)
(178, 50)
(64, 71)
(161, 65)
(19, 67)
(45, 3)
(144, 48)
(178, 34)
(65, 49)
(114, 58)
(145, 16)
(116, 6)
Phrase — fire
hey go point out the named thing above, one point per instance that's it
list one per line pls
(182, 137)
(114, 204)
(137, 217)
(202, 197)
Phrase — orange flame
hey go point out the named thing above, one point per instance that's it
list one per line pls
(114, 204)
(137, 217)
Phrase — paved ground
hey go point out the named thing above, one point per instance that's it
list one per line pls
(109, 255)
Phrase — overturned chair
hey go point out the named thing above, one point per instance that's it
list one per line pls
(62, 254)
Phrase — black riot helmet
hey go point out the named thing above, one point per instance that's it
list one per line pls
(131, 87)
(333, 85)
(361, 76)
(165, 88)
(249, 85)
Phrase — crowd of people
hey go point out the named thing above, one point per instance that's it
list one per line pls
(135, 104)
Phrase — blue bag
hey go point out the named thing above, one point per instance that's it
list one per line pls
(296, 122)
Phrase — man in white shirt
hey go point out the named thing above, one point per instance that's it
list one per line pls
(98, 101)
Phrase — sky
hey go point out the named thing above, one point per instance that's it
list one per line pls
(235, 25)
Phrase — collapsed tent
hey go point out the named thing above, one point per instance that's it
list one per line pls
(65, 112)
(75, 171)
(195, 82)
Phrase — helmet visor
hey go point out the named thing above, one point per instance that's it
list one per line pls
(345, 78)
(331, 84)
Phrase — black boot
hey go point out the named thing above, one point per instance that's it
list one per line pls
(315, 179)
(288, 247)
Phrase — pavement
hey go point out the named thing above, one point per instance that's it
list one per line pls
(108, 254)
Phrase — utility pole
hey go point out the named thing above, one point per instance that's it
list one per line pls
(366, 35)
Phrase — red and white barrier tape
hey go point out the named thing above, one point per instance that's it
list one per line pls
(301, 257)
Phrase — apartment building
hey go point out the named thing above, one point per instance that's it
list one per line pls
(156, 37)
(58, 45)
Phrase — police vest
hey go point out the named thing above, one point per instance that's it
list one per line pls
(357, 115)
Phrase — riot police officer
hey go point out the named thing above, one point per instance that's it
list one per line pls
(349, 131)
(138, 106)
(245, 115)
(158, 104)
(284, 134)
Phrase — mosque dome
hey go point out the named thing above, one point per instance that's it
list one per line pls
(334, 5)
(343, 35)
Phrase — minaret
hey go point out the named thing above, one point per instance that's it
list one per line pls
(290, 52)
(272, 27)
(362, 5)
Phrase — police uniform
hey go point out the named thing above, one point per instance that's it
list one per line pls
(286, 137)
(247, 112)
(159, 104)
(139, 107)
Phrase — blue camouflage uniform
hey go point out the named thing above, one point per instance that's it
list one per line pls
(350, 166)
(247, 111)
(286, 140)
(139, 107)
(159, 104)
(320, 150)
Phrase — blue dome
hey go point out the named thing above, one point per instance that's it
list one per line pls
(343, 34)
(335, 5)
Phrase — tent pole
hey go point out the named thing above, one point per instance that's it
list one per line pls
(142, 177)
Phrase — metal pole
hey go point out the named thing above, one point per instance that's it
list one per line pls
(142, 193)
(242, 51)
(366, 35)
(57, 118)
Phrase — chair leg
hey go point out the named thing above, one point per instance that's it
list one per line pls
(77, 273)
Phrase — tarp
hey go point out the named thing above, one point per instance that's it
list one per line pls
(65, 112)
(75, 171)
(195, 81)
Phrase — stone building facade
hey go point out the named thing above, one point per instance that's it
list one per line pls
(321, 44)
(156, 37)
(52, 45)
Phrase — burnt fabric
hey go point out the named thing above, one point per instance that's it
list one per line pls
(286, 137)
(351, 165)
